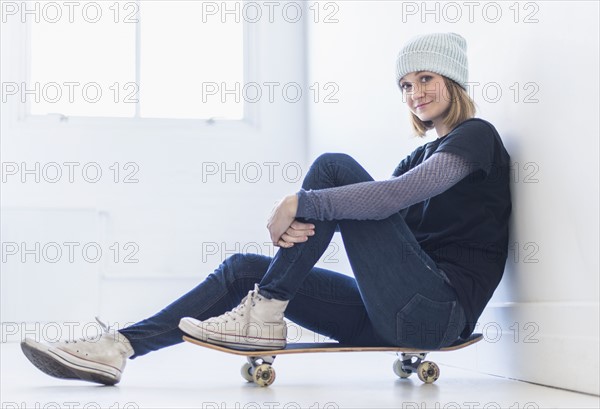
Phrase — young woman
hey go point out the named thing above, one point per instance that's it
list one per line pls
(427, 247)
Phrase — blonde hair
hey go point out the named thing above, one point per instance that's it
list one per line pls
(461, 108)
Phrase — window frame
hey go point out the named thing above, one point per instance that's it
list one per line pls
(17, 113)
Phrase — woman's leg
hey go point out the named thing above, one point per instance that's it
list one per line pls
(328, 303)
(408, 299)
(220, 291)
(341, 315)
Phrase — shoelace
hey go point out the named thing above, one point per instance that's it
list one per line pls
(105, 329)
(249, 299)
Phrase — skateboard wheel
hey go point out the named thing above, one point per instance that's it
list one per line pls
(428, 371)
(246, 374)
(264, 375)
(399, 371)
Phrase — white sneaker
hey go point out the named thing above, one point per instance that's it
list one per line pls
(100, 359)
(257, 323)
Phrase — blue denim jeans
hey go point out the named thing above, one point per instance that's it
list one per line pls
(398, 296)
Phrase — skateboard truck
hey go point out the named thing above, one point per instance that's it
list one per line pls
(259, 369)
(410, 362)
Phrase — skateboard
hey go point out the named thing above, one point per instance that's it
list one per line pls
(259, 368)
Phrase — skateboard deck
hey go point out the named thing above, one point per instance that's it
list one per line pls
(259, 368)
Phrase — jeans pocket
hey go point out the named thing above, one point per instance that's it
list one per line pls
(424, 323)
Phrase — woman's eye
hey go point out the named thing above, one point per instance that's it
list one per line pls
(426, 78)
(405, 86)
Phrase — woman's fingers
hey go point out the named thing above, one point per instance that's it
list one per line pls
(284, 244)
(296, 225)
(299, 229)
(297, 233)
(294, 239)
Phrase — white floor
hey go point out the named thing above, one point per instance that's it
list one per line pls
(186, 376)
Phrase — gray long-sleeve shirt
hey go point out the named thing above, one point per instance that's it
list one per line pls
(376, 200)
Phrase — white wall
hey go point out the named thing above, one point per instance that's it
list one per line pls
(546, 308)
(182, 220)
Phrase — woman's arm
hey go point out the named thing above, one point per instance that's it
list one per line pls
(373, 200)
(377, 200)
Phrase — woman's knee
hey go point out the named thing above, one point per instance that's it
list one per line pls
(332, 158)
(333, 169)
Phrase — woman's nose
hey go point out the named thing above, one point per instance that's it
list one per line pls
(416, 93)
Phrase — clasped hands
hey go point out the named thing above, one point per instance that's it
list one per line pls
(283, 227)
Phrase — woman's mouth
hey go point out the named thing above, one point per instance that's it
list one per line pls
(422, 105)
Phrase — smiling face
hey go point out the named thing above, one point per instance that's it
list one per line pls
(427, 97)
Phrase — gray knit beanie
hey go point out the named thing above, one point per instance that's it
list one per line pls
(442, 53)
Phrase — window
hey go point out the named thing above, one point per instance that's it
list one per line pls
(149, 59)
